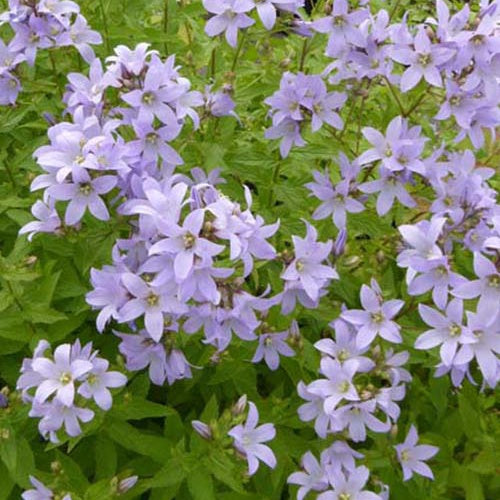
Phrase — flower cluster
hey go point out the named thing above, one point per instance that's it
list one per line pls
(231, 15)
(38, 25)
(302, 99)
(61, 387)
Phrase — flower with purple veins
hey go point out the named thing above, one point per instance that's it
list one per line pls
(375, 318)
(338, 385)
(59, 376)
(184, 243)
(311, 478)
(424, 61)
(412, 456)
(271, 346)
(486, 287)
(151, 302)
(98, 380)
(230, 16)
(448, 330)
(306, 266)
(83, 194)
(349, 486)
(248, 439)
(40, 492)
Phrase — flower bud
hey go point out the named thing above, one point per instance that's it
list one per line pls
(202, 429)
(126, 484)
(240, 406)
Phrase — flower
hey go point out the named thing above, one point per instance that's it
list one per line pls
(41, 492)
(271, 345)
(248, 439)
(411, 456)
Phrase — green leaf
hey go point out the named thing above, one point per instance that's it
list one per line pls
(201, 485)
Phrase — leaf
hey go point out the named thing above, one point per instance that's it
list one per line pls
(134, 408)
(158, 448)
(201, 485)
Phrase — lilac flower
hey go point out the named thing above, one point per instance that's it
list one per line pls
(97, 383)
(248, 439)
(149, 301)
(448, 331)
(336, 200)
(424, 61)
(229, 18)
(411, 456)
(140, 351)
(313, 410)
(340, 456)
(266, 9)
(9, 89)
(289, 131)
(127, 484)
(306, 268)
(271, 345)
(59, 375)
(202, 429)
(41, 492)
(390, 186)
(349, 486)
(56, 415)
(356, 418)
(219, 103)
(82, 194)
(48, 220)
(185, 243)
(375, 319)
(342, 27)
(313, 477)
(485, 326)
(338, 384)
(487, 286)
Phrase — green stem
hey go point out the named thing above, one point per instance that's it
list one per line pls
(394, 10)
(20, 306)
(303, 54)
(105, 24)
(54, 71)
(415, 106)
(238, 52)
(212, 64)
(165, 23)
(276, 174)
(396, 97)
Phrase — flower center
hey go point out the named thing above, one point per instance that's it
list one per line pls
(79, 159)
(85, 189)
(424, 59)
(153, 300)
(189, 240)
(151, 138)
(91, 379)
(246, 440)
(65, 378)
(405, 456)
(455, 100)
(455, 330)
(339, 21)
(12, 84)
(299, 265)
(494, 281)
(148, 98)
(345, 496)
(377, 317)
(268, 341)
(343, 387)
(343, 355)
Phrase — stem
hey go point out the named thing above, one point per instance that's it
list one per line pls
(360, 117)
(165, 23)
(395, 95)
(20, 306)
(394, 10)
(54, 70)
(303, 54)
(276, 174)
(212, 64)
(238, 51)
(415, 106)
(105, 24)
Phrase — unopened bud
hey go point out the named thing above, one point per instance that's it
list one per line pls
(126, 484)
(240, 405)
(202, 429)
(394, 431)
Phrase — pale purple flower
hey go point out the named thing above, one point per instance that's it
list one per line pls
(448, 330)
(313, 409)
(248, 439)
(184, 243)
(312, 478)
(98, 380)
(306, 267)
(59, 376)
(48, 220)
(40, 492)
(340, 456)
(271, 346)
(349, 485)
(229, 18)
(338, 385)
(83, 193)
(412, 456)
(486, 287)
(375, 319)
(424, 61)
